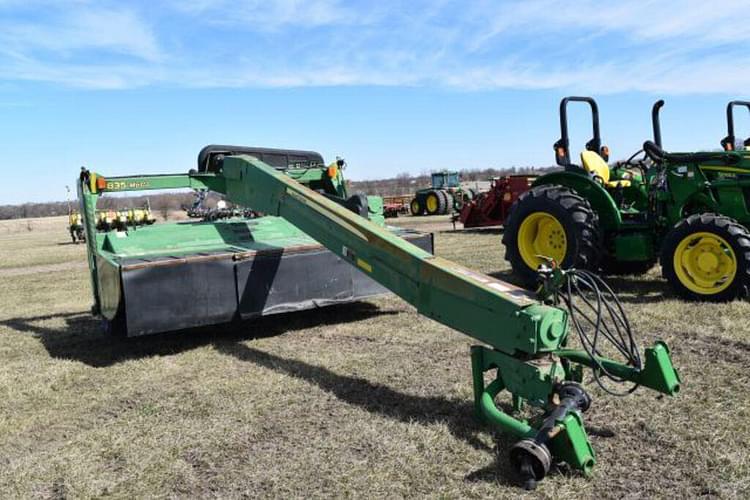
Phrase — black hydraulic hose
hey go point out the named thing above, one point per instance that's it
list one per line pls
(603, 313)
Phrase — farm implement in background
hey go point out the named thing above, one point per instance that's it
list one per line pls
(393, 206)
(491, 208)
(75, 222)
(75, 227)
(525, 338)
(444, 196)
(121, 220)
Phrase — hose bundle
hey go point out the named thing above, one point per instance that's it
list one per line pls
(600, 316)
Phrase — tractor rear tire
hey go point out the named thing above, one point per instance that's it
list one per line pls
(415, 207)
(706, 257)
(553, 221)
(434, 203)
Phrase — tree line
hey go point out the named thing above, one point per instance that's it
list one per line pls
(162, 202)
(402, 184)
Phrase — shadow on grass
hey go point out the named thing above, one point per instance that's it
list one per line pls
(475, 230)
(639, 289)
(629, 289)
(83, 338)
(457, 415)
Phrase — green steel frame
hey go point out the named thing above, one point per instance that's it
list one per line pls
(525, 339)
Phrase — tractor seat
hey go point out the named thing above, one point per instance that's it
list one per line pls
(595, 165)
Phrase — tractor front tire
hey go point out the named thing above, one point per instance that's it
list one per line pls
(706, 257)
(448, 201)
(555, 222)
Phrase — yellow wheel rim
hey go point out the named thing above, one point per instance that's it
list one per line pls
(414, 206)
(541, 234)
(432, 203)
(705, 263)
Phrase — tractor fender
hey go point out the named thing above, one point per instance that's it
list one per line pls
(597, 196)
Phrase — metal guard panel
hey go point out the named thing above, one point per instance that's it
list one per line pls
(206, 290)
(185, 294)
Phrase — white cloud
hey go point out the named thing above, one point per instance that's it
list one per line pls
(117, 30)
(270, 15)
(640, 21)
(686, 46)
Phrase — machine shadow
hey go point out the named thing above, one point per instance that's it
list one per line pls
(629, 289)
(475, 230)
(637, 290)
(382, 400)
(83, 338)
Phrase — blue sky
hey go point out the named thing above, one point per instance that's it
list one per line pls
(393, 86)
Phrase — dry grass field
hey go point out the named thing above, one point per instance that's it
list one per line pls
(365, 400)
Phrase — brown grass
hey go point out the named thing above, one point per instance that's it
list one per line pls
(367, 400)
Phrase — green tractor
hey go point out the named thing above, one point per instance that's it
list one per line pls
(445, 195)
(688, 210)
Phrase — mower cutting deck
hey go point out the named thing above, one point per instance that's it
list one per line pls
(188, 274)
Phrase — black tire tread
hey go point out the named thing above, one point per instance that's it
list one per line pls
(449, 202)
(442, 202)
(419, 203)
(739, 238)
(585, 221)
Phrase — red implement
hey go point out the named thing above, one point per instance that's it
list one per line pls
(395, 205)
(491, 208)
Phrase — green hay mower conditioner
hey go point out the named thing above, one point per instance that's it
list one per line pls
(208, 272)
